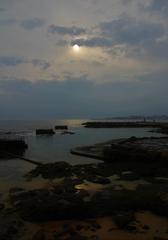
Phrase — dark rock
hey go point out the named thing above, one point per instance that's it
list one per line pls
(50, 171)
(10, 225)
(68, 132)
(124, 219)
(16, 189)
(39, 235)
(146, 227)
(2, 206)
(12, 147)
(79, 227)
(100, 180)
(61, 127)
(45, 132)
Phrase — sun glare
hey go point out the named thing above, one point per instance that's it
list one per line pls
(76, 47)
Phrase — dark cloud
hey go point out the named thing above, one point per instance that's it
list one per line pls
(94, 42)
(72, 31)
(7, 22)
(31, 24)
(159, 5)
(42, 64)
(3, 9)
(129, 37)
(81, 97)
(131, 31)
(11, 61)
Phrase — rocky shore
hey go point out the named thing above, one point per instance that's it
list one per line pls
(131, 181)
(124, 124)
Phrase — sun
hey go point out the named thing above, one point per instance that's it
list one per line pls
(76, 47)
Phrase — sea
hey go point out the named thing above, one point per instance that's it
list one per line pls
(49, 149)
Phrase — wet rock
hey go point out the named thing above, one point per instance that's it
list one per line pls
(61, 127)
(124, 220)
(50, 171)
(16, 190)
(94, 237)
(2, 206)
(129, 176)
(100, 180)
(40, 235)
(160, 238)
(45, 131)
(9, 226)
(67, 132)
(79, 227)
(61, 202)
(146, 227)
(11, 147)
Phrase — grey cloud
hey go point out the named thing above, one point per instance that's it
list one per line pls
(131, 31)
(94, 42)
(73, 31)
(159, 5)
(11, 61)
(7, 22)
(31, 24)
(126, 2)
(42, 64)
(3, 9)
(82, 97)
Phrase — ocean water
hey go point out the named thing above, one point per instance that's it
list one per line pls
(57, 147)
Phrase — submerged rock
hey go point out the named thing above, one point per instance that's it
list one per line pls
(45, 132)
(61, 127)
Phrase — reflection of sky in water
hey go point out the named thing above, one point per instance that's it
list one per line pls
(56, 148)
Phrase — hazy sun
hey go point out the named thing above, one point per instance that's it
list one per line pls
(76, 47)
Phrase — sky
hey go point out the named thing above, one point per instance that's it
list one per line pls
(119, 68)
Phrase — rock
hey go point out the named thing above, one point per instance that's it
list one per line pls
(53, 170)
(124, 220)
(160, 238)
(12, 147)
(45, 132)
(39, 235)
(68, 132)
(61, 127)
(2, 206)
(100, 180)
(16, 189)
(79, 227)
(146, 227)
(9, 226)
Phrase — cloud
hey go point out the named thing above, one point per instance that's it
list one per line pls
(94, 42)
(131, 31)
(72, 31)
(7, 22)
(3, 9)
(42, 64)
(31, 24)
(161, 5)
(82, 97)
(11, 61)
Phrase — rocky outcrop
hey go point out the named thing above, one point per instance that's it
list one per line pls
(138, 124)
(45, 132)
(61, 127)
(10, 147)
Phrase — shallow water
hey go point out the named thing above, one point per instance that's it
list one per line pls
(57, 147)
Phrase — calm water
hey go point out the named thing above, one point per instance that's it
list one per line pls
(56, 148)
